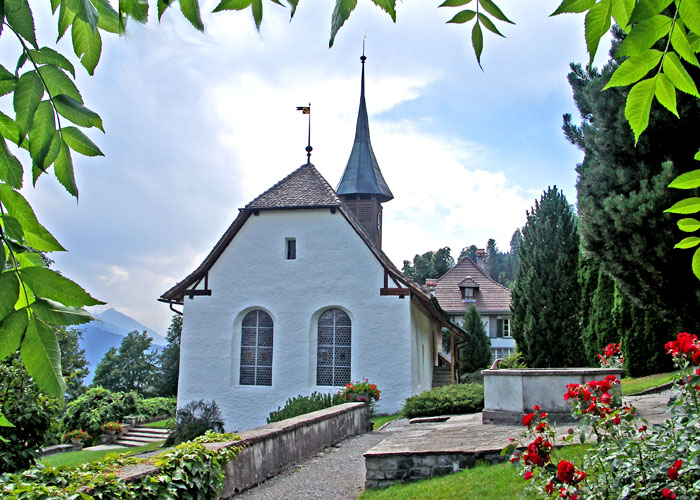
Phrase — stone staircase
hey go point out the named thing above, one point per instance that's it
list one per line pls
(140, 435)
(441, 376)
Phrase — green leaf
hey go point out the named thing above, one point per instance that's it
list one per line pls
(622, 11)
(341, 13)
(686, 206)
(477, 42)
(463, 17)
(681, 45)
(76, 112)
(19, 16)
(138, 9)
(689, 242)
(673, 68)
(573, 7)
(494, 10)
(454, 3)
(190, 9)
(257, 8)
(9, 292)
(5, 423)
(489, 24)
(163, 5)
(8, 128)
(58, 82)
(12, 228)
(233, 5)
(634, 68)
(54, 313)
(666, 93)
(35, 234)
(87, 12)
(697, 155)
(48, 284)
(54, 5)
(20, 62)
(638, 106)
(46, 55)
(87, 45)
(293, 4)
(10, 167)
(597, 24)
(696, 263)
(79, 142)
(689, 225)
(41, 133)
(108, 17)
(28, 94)
(644, 35)
(63, 168)
(648, 8)
(8, 81)
(54, 148)
(688, 180)
(689, 11)
(29, 259)
(42, 358)
(388, 6)
(65, 19)
(11, 330)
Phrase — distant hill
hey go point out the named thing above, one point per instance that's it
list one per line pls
(100, 336)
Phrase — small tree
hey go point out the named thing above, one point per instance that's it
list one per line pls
(131, 368)
(475, 352)
(74, 365)
(170, 358)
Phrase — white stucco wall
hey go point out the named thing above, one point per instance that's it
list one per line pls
(422, 334)
(333, 268)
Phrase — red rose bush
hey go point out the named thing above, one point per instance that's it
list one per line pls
(630, 458)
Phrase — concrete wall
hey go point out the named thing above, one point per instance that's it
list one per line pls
(333, 268)
(423, 342)
(509, 394)
(272, 448)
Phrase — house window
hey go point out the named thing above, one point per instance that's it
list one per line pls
(291, 248)
(500, 352)
(503, 327)
(334, 348)
(256, 348)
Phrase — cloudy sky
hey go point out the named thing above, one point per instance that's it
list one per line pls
(198, 124)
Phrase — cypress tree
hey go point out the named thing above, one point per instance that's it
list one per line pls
(475, 352)
(545, 296)
(597, 301)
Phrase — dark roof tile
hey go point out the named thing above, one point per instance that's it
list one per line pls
(492, 297)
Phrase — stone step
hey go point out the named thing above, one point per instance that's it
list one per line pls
(149, 430)
(144, 435)
(130, 443)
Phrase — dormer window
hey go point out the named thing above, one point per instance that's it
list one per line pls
(468, 288)
(467, 293)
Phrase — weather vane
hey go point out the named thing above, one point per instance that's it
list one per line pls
(307, 111)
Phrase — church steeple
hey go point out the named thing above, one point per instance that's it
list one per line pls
(362, 186)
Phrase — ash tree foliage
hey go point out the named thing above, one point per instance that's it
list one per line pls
(545, 298)
(129, 368)
(475, 351)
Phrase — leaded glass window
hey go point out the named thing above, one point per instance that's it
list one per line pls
(334, 348)
(256, 348)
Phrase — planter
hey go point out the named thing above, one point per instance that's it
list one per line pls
(510, 394)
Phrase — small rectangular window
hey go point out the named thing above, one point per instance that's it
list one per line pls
(291, 248)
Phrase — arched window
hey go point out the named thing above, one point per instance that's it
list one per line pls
(333, 355)
(256, 348)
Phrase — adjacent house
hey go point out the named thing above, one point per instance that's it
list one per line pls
(468, 283)
(297, 296)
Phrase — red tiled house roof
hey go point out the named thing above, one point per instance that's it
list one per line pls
(491, 297)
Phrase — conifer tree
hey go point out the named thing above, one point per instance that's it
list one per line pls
(545, 297)
(475, 352)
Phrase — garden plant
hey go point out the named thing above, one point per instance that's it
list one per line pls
(447, 400)
(630, 458)
(302, 405)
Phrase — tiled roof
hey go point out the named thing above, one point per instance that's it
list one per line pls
(468, 282)
(305, 187)
(492, 297)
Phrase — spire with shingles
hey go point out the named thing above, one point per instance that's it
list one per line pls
(362, 174)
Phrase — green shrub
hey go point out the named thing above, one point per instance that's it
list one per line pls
(156, 407)
(447, 400)
(31, 413)
(472, 378)
(514, 360)
(301, 405)
(97, 406)
(194, 420)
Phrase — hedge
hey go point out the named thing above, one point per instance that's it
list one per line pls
(446, 400)
(301, 405)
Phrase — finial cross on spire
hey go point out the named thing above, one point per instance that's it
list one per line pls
(307, 111)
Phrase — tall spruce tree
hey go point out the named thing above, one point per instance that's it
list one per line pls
(622, 194)
(545, 297)
(475, 352)
(598, 325)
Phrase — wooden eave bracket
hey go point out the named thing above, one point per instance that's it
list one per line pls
(397, 290)
(193, 291)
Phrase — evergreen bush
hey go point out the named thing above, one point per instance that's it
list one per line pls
(156, 407)
(301, 405)
(97, 406)
(446, 400)
(475, 351)
(194, 420)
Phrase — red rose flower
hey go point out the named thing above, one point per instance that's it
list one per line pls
(540, 427)
(549, 488)
(666, 493)
(672, 473)
(616, 420)
(528, 475)
(678, 464)
(565, 471)
(527, 419)
(605, 398)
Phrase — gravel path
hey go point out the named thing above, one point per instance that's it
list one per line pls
(336, 473)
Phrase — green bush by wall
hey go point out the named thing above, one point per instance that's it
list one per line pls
(301, 405)
(446, 400)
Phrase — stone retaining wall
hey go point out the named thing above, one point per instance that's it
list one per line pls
(272, 448)
(390, 469)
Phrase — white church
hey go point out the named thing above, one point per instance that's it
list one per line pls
(297, 296)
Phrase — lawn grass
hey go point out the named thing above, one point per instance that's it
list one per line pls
(634, 385)
(483, 482)
(168, 423)
(75, 458)
(383, 419)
